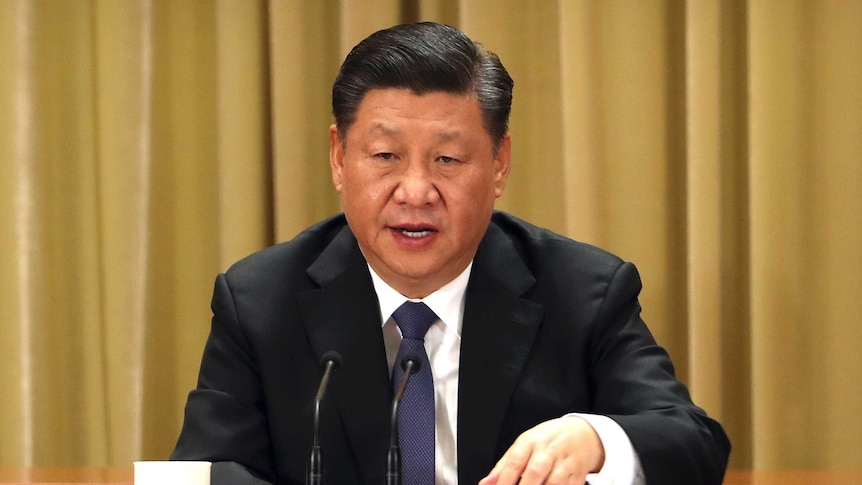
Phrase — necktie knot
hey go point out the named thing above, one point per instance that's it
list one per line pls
(414, 319)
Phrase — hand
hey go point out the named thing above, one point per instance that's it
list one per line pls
(559, 451)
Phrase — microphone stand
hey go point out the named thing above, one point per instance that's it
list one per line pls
(315, 462)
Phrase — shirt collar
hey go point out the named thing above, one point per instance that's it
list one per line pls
(447, 302)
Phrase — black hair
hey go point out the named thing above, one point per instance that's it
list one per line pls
(424, 57)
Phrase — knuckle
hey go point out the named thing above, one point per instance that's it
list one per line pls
(516, 461)
(534, 473)
(519, 454)
(559, 475)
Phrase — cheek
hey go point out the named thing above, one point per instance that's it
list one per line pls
(476, 191)
(364, 197)
(471, 206)
(375, 194)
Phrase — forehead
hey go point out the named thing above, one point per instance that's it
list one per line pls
(393, 111)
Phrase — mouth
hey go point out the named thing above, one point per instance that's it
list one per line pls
(415, 234)
(414, 231)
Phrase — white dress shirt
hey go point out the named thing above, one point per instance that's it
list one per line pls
(443, 345)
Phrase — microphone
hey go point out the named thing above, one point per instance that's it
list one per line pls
(410, 364)
(331, 361)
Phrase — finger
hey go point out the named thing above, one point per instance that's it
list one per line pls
(568, 472)
(575, 480)
(538, 469)
(492, 477)
(513, 463)
(564, 473)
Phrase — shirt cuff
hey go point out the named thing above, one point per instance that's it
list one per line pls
(622, 465)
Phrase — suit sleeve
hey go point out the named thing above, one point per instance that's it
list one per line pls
(225, 417)
(635, 385)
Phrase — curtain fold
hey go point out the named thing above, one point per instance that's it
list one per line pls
(243, 130)
(147, 145)
(717, 215)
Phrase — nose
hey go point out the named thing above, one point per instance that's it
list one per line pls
(416, 185)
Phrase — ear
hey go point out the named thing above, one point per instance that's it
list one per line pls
(336, 156)
(502, 165)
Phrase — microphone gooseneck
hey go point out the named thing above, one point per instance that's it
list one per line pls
(410, 364)
(331, 361)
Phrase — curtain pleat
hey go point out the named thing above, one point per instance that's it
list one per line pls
(717, 216)
(145, 146)
(243, 129)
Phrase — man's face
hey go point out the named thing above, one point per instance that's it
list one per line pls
(418, 176)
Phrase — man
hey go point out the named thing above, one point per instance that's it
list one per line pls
(542, 370)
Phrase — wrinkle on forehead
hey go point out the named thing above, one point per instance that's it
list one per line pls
(386, 129)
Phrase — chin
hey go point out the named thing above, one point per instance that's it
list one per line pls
(415, 273)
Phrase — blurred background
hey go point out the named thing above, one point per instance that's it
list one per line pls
(145, 145)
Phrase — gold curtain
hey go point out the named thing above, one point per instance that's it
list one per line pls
(147, 144)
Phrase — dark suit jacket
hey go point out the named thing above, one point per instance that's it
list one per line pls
(551, 326)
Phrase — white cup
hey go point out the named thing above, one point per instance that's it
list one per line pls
(172, 472)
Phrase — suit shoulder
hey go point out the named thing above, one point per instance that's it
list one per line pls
(544, 248)
(287, 257)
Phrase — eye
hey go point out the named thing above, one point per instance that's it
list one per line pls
(446, 159)
(384, 156)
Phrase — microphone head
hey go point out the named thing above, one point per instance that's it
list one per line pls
(331, 356)
(414, 359)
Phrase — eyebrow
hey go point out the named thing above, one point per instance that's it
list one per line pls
(383, 129)
(449, 135)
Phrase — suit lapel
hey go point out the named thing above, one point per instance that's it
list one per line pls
(343, 315)
(496, 338)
